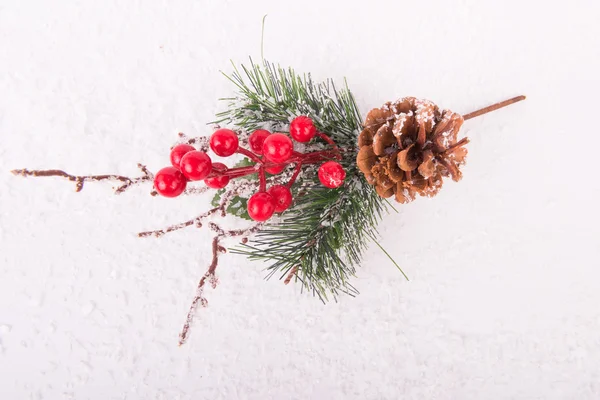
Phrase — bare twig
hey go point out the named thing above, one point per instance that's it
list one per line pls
(217, 249)
(194, 221)
(199, 297)
(197, 221)
(81, 179)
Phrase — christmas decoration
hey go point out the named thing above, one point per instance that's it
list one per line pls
(310, 176)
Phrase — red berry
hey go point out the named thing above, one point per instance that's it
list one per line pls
(169, 182)
(224, 142)
(332, 174)
(256, 140)
(282, 196)
(196, 165)
(179, 151)
(302, 129)
(217, 182)
(261, 206)
(277, 148)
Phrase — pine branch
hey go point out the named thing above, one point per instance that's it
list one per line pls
(322, 237)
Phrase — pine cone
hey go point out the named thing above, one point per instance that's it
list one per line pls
(408, 147)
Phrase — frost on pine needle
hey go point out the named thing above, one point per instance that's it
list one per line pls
(323, 235)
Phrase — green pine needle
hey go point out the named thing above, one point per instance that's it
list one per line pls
(325, 232)
(390, 257)
(262, 39)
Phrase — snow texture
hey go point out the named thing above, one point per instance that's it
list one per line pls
(504, 266)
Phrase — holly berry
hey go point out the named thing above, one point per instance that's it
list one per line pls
(302, 129)
(261, 206)
(282, 196)
(332, 174)
(179, 151)
(257, 139)
(169, 182)
(277, 148)
(224, 142)
(196, 165)
(217, 182)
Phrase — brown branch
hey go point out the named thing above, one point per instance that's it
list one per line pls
(81, 179)
(493, 107)
(199, 297)
(288, 279)
(210, 274)
(197, 221)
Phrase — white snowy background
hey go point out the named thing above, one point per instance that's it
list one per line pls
(504, 297)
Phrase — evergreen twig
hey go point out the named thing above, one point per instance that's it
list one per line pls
(324, 234)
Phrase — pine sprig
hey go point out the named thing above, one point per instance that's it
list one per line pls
(324, 234)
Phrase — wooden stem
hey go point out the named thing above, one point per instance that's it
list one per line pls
(493, 107)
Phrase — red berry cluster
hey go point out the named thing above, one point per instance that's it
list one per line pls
(271, 152)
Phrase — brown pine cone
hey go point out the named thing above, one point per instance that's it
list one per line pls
(408, 147)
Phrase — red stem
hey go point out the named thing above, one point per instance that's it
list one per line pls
(317, 156)
(298, 158)
(234, 172)
(250, 155)
(332, 143)
(263, 179)
(296, 173)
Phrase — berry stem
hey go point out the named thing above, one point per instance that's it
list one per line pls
(250, 155)
(263, 179)
(493, 107)
(296, 173)
(332, 143)
(318, 156)
(235, 172)
(304, 159)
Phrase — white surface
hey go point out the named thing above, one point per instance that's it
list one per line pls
(504, 292)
